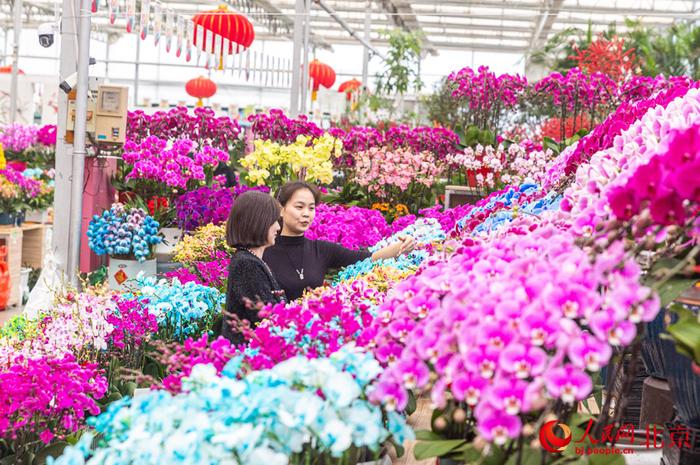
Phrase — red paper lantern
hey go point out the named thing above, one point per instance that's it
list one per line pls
(227, 25)
(349, 87)
(321, 75)
(200, 88)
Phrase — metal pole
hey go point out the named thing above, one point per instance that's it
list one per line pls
(15, 60)
(79, 151)
(107, 59)
(364, 41)
(136, 70)
(64, 151)
(6, 41)
(305, 55)
(365, 51)
(296, 58)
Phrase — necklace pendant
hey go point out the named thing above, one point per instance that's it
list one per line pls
(300, 273)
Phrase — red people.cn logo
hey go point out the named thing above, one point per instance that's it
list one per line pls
(550, 441)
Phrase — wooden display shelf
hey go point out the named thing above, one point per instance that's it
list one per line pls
(34, 244)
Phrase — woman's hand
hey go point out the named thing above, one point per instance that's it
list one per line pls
(407, 244)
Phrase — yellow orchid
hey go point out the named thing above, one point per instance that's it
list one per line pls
(274, 164)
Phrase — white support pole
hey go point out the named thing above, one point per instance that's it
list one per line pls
(107, 59)
(6, 42)
(296, 58)
(64, 150)
(15, 59)
(305, 56)
(79, 151)
(365, 52)
(136, 69)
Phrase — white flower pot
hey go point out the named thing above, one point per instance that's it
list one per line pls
(121, 271)
(140, 392)
(24, 283)
(165, 250)
(37, 216)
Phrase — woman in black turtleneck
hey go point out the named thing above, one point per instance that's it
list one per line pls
(298, 263)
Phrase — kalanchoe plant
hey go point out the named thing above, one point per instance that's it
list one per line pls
(123, 233)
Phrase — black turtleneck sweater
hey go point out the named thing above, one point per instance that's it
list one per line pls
(291, 254)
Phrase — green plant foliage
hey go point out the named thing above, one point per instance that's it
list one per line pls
(401, 65)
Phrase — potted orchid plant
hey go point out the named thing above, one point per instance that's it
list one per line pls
(16, 194)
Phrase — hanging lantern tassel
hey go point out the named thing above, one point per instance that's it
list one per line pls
(169, 24)
(218, 52)
(179, 33)
(254, 67)
(226, 44)
(130, 15)
(145, 17)
(188, 40)
(113, 10)
(157, 22)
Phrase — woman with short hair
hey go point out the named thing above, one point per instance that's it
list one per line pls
(251, 228)
(299, 263)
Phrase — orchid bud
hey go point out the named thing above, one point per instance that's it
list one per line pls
(440, 423)
(459, 415)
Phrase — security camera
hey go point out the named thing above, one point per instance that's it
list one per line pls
(46, 32)
(68, 83)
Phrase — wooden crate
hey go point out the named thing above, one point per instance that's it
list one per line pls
(12, 238)
(33, 244)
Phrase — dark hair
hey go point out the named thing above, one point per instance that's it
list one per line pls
(250, 219)
(287, 191)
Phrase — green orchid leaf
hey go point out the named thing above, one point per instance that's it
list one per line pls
(429, 449)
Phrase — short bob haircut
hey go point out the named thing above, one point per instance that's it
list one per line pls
(287, 191)
(252, 215)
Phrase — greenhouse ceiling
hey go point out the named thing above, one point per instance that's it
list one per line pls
(513, 26)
